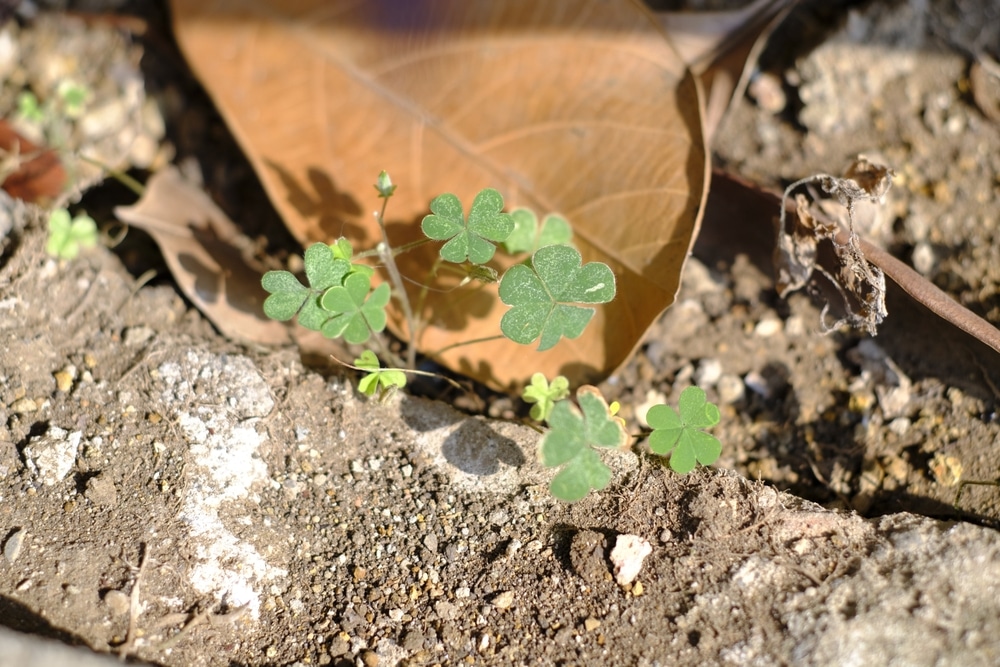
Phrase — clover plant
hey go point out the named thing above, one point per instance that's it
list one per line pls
(551, 295)
(68, 236)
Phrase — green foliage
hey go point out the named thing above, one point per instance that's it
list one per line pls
(290, 297)
(544, 395)
(528, 236)
(356, 311)
(549, 297)
(682, 434)
(573, 435)
(67, 236)
(378, 379)
(542, 296)
(470, 240)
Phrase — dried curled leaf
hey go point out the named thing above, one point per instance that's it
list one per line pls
(814, 242)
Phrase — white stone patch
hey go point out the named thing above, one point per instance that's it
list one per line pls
(51, 457)
(226, 466)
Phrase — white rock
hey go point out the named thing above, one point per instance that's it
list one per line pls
(627, 557)
(51, 456)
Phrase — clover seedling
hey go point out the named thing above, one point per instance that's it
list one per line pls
(472, 239)
(544, 395)
(682, 432)
(573, 435)
(542, 296)
(289, 297)
(381, 380)
(356, 311)
(67, 236)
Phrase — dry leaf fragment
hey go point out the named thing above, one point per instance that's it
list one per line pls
(200, 245)
(860, 284)
(28, 172)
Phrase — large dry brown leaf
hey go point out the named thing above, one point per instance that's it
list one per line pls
(575, 106)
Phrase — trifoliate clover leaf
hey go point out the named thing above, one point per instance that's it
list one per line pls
(289, 297)
(472, 240)
(542, 295)
(67, 236)
(378, 379)
(681, 433)
(544, 395)
(570, 442)
(356, 314)
(529, 237)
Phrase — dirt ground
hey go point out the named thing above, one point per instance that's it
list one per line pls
(176, 498)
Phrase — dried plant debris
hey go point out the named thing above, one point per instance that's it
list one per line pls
(819, 241)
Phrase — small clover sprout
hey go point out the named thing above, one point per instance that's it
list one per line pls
(29, 108)
(67, 236)
(357, 310)
(381, 380)
(544, 395)
(682, 434)
(472, 239)
(542, 294)
(573, 435)
(289, 297)
(528, 236)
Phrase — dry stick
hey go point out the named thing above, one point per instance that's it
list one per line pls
(133, 607)
(922, 290)
(927, 293)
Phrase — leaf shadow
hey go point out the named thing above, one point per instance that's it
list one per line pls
(319, 198)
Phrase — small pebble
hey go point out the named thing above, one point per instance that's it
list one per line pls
(23, 406)
(768, 327)
(627, 557)
(730, 388)
(591, 624)
(504, 600)
(708, 373)
(12, 549)
(369, 659)
(117, 602)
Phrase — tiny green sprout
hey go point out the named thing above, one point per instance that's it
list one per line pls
(73, 97)
(342, 249)
(384, 185)
(544, 395)
(470, 239)
(28, 107)
(682, 434)
(542, 296)
(528, 236)
(381, 380)
(573, 434)
(67, 236)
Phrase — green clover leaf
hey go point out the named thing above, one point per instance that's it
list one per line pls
(544, 395)
(681, 432)
(570, 442)
(541, 296)
(472, 240)
(388, 379)
(68, 236)
(529, 237)
(289, 297)
(358, 311)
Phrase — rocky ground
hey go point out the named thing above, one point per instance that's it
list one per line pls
(172, 497)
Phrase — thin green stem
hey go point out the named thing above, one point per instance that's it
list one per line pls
(465, 342)
(389, 259)
(135, 186)
(406, 247)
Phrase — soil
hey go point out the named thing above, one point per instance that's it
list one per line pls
(175, 498)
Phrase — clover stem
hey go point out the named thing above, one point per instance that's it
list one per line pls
(406, 247)
(386, 254)
(465, 342)
(120, 176)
